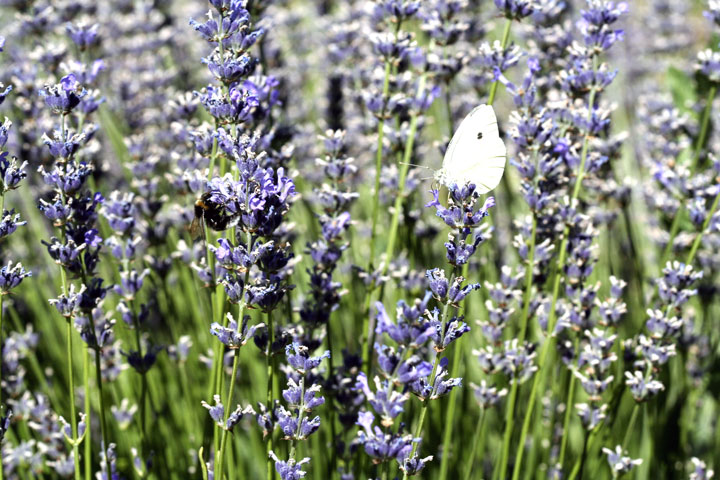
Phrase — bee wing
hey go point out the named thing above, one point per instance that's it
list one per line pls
(197, 228)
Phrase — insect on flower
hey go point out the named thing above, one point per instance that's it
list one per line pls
(212, 214)
(476, 154)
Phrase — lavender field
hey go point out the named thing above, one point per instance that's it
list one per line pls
(232, 244)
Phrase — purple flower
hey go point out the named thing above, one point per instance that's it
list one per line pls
(230, 69)
(11, 277)
(67, 304)
(289, 470)
(516, 9)
(4, 92)
(84, 36)
(65, 96)
(5, 420)
(414, 465)
(488, 396)
(297, 396)
(299, 358)
(620, 464)
(596, 21)
(383, 446)
(10, 172)
(386, 401)
(231, 336)
(642, 388)
(9, 221)
(143, 363)
(217, 411)
(410, 330)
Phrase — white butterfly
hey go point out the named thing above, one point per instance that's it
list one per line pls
(476, 154)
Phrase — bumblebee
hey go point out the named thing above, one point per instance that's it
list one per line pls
(211, 214)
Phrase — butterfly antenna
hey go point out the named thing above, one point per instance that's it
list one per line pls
(415, 165)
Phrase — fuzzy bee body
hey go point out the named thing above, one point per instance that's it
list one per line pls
(211, 214)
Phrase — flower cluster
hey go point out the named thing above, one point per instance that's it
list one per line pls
(191, 208)
(12, 173)
(302, 396)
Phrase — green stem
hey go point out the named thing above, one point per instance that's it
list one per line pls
(223, 441)
(143, 381)
(423, 412)
(528, 281)
(71, 390)
(476, 439)
(583, 455)
(704, 126)
(2, 412)
(505, 39)
(540, 374)
(2, 297)
(269, 397)
(88, 441)
(568, 414)
(706, 223)
(394, 224)
(697, 149)
(631, 426)
(332, 464)
(450, 413)
(216, 314)
(301, 415)
(448, 108)
(365, 336)
(220, 460)
(587, 446)
(404, 168)
(378, 165)
(426, 401)
(510, 410)
(103, 422)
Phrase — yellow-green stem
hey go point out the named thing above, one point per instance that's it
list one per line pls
(557, 277)
(103, 422)
(220, 460)
(426, 401)
(450, 413)
(88, 440)
(2, 410)
(452, 405)
(378, 165)
(476, 439)
(365, 336)
(71, 391)
(568, 413)
(269, 396)
(404, 167)
(697, 149)
(143, 378)
(2, 297)
(512, 399)
(706, 224)
(423, 412)
(630, 426)
(394, 225)
(505, 39)
(587, 446)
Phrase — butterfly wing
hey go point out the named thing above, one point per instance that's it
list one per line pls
(476, 154)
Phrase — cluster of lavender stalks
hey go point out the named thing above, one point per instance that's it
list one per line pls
(242, 270)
